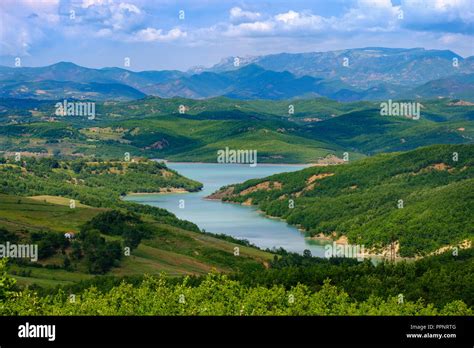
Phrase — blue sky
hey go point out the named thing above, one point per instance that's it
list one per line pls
(99, 33)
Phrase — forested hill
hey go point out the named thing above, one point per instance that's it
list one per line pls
(96, 183)
(156, 128)
(421, 200)
(73, 211)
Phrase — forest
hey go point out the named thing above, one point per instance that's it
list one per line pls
(420, 199)
(97, 183)
(216, 294)
(359, 199)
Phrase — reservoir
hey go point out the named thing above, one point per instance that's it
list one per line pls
(242, 222)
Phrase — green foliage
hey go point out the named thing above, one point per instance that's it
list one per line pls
(127, 225)
(154, 128)
(7, 236)
(48, 243)
(6, 283)
(436, 279)
(99, 254)
(113, 222)
(98, 184)
(178, 250)
(216, 295)
(360, 200)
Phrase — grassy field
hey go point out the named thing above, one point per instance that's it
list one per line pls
(34, 213)
(57, 200)
(171, 250)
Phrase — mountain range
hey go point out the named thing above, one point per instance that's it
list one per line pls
(346, 75)
(365, 67)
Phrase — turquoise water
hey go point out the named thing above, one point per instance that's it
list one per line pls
(241, 222)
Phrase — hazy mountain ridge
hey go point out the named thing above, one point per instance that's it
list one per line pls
(345, 75)
(50, 90)
(366, 67)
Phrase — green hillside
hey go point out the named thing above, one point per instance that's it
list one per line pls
(154, 128)
(41, 200)
(361, 200)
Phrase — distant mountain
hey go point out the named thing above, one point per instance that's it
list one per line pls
(370, 74)
(457, 86)
(123, 84)
(54, 90)
(66, 71)
(249, 82)
(252, 82)
(366, 67)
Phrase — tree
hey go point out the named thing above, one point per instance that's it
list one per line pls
(7, 236)
(66, 262)
(6, 283)
(76, 252)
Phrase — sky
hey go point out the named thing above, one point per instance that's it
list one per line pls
(172, 34)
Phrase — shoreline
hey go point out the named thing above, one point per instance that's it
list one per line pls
(240, 164)
(382, 253)
(163, 192)
(343, 241)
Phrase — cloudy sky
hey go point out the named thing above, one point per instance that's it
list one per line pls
(173, 34)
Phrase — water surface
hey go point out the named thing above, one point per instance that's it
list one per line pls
(243, 222)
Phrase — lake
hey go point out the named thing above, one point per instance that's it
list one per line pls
(242, 222)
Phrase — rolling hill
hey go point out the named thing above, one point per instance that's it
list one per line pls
(459, 86)
(154, 127)
(419, 201)
(35, 208)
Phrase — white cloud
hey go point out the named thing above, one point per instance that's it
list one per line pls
(288, 17)
(245, 29)
(458, 13)
(157, 35)
(292, 20)
(105, 32)
(237, 14)
(375, 3)
(450, 39)
(129, 8)
(89, 3)
(118, 16)
(368, 16)
(26, 24)
(23, 24)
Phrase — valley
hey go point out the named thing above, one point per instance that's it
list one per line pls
(232, 172)
(231, 219)
(154, 128)
(265, 179)
(41, 211)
